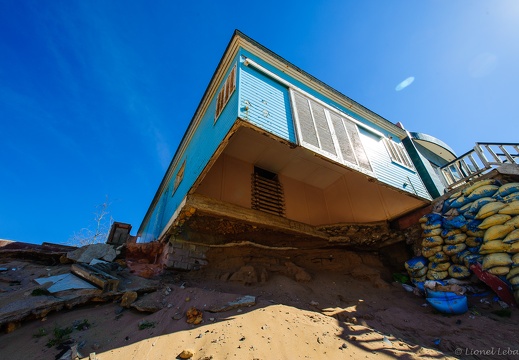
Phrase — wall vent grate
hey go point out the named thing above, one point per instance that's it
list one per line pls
(267, 192)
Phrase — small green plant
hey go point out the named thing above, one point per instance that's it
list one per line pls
(145, 324)
(60, 336)
(41, 332)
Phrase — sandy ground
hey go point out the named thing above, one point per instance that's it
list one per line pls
(333, 316)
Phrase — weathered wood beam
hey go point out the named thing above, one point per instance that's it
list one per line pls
(97, 277)
(222, 209)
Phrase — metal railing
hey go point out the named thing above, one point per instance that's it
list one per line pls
(478, 161)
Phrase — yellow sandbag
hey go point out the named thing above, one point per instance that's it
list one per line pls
(496, 219)
(499, 270)
(430, 251)
(470, 259)
(479, 233)
(489, 209)
(512, 237)
(471, 188)
(430, 227)
(444, 266)
(460, 202)
(439, 257)
(510, 209)
(497, 232)
(432, 241)
(419, 279)
(432, 232)
(465, 208)
(511, 197)
(453, 249)
(459, 272)
(455, 239)
(437, 275)
(506, 189)
(472, 241)
(477, 204)
(494, 246)
(447, 233)
(497, 259)
(515, 260)
(456, 195)
(513, 222)
(513, 280)
(415, 264)
(513, 272)
(419, 272)
(483, 191)
(514, 248)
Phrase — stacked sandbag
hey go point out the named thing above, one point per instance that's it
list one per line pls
(513, 276)
(416, 268)
(478, 224)
(499, 222)
(473, 223)
(432, 247)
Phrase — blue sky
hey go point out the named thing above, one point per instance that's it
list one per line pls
(96, 95)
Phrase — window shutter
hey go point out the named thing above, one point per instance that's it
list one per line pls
(343, 139)
(398, 153)
(323, 129)
(358, 148)
(306, 123)
(327, 132)
(225, 92)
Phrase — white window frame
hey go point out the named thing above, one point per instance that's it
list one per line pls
(338, 158)
(397, 153)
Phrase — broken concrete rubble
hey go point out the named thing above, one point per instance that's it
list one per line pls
(87, 253)
(64, 282)
(244, 301)
(56, 288)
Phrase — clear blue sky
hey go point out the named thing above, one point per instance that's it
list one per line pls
(96, 95)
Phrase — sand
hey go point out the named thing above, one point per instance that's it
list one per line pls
(332, 316)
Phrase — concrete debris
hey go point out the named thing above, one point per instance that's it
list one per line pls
(64, 282)
(87, 253)
(149, 303)
(194, 316)
(186, 354)
(245, 301)
(128, 298)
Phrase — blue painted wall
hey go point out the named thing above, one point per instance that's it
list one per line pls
(389, 172)
(265, 103)
(205, 141)
(255, 87)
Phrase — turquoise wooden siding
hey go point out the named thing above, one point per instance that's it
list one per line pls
(257, 86)
(265, 103)
(206, 139)
(303, 87)
(389, 172)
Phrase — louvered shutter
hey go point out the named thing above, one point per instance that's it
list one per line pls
(330, 133)
(343, 139)
(323, 129)
(306, 123)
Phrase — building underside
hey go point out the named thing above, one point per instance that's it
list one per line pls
(314, 203)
